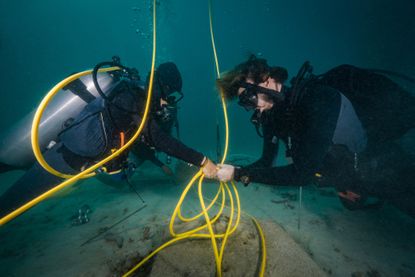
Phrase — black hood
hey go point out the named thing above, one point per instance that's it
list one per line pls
(169, 74)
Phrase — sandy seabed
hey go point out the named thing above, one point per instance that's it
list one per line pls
(45, 241)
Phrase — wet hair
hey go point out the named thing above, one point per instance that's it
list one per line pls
(254, 68)
(279, 73)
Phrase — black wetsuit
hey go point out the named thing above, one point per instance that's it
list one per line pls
(89, 139)
(145, 152)
(329, 141)
(315, 123)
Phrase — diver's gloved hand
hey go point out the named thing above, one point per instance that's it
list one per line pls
(209, 168)
(225, 172)
(167, 170)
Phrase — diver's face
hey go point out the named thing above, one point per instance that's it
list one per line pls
(264, 103)
(163, 102)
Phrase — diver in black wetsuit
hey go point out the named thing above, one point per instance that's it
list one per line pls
(165, 113)
(324, 136)
(167, 92)
(104, 125)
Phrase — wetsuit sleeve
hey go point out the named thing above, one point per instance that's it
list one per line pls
(321, 108)
(156, 161)
(280, 175)
(171, 146)
(144, 152)
(269, 150)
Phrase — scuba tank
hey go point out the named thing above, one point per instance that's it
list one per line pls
(15, 143)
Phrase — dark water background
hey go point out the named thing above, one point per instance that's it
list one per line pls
(42, 42)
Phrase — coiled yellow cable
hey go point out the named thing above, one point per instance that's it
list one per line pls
(221, 191)
(89, 172)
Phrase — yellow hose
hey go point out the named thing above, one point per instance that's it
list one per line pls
(205, 210)
(263, 247)
(261, 235)
(89, 172)
(182, 218)
(263, 261)
(38, 115)
(91, 169)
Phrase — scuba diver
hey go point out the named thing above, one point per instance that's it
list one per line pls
(167, 120)
(97, 114)
(167, 92)
(165, 114)
(339, 128)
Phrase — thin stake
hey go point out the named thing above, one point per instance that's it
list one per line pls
(133, 188)
(113, 225)
(301, 205)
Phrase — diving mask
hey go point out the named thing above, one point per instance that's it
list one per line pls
(248, 98)
(174, 98)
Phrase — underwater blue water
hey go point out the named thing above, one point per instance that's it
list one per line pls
(42, 42)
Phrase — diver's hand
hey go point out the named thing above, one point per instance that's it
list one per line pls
(167, 170)
(209, 169)
(225, 172)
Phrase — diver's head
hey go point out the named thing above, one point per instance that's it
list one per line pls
(255, 83)
(167, 92)
(169, 81)
(261, 96)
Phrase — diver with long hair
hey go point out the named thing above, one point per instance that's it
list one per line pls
(339, 128)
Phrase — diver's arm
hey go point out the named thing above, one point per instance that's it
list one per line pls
(171, 146)
(156, 161)
(281, 175)
(269, 150)
(145, 153)
(322, 106)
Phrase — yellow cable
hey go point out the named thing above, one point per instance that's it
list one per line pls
(38, 115)
(260, 231)
(89, 172)
(193, 233)
(185, 219)
(211, 232)
(225, 111)
(228, 229)
(263, 247)
(190, 234)
(263, 262)
(91, 169)
(221, 191)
